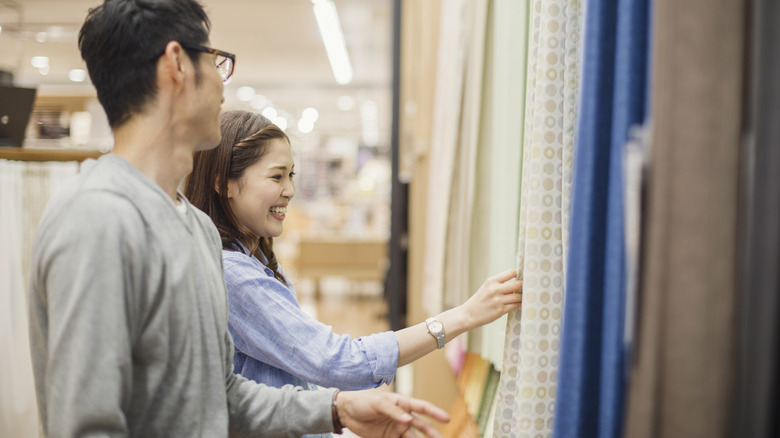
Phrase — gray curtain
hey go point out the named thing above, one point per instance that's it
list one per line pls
(759, 239)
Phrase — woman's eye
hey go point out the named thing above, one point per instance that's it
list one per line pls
(292, 174)
(277, 177)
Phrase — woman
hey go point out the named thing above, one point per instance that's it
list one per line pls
(245, 186)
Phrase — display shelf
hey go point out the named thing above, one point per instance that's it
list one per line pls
(35, 154)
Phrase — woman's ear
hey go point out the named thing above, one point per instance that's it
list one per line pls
(216, 184)
(232, 188)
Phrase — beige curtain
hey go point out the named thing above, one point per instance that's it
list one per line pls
(455, 31)
(526, 393)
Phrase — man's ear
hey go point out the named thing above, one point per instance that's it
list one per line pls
(172, 64)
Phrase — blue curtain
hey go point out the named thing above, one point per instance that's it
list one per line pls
(592, 378)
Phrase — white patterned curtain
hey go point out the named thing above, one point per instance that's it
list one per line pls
(24, 190)
(526, 393)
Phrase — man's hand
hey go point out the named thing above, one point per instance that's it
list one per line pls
(384, 414)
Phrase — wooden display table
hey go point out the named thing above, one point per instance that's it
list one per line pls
(355, 259)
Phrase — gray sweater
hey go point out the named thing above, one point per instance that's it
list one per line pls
(128, 321)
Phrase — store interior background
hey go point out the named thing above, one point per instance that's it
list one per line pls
(340, 133)
(420, 169)
(340, 219)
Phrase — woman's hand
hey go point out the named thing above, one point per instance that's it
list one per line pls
(498, 295)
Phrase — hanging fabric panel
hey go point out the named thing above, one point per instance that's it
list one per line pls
(453, 47)
(682, 381)
(24, 190)
(458, 286)
(497, 201)
(758, 397)
(592, 381)
(527, 388)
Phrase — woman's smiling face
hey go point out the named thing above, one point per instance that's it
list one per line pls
(259, 198)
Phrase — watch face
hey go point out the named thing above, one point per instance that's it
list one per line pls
(435, 326)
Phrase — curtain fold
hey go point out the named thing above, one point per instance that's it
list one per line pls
(528, 384)
(682, 378)
(453, 46)
(458, 284)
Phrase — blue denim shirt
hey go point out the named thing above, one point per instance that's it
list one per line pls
(277, 344)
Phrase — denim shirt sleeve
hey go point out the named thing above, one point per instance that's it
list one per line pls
(267, 324)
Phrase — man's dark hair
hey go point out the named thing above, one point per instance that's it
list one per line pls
(121, 41)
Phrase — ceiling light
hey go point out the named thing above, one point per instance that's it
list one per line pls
(40, 61)
(370, 122)
(305, 126)
(333, 37)
(43, 70)
(270, 113)
(259, 102)
(77, 75)
(346, 103)
(310, 114)
(245, 93)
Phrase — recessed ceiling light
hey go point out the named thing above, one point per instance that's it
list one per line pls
(245, 94)
(270, 113)
(77, 75)
(346, 103)
(310, 114)
(40, 61)
(305, 126)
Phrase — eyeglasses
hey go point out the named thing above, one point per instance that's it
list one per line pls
(225, 61)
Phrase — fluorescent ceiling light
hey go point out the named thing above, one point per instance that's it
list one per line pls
(333, 37)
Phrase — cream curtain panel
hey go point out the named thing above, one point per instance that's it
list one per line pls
(526, 393)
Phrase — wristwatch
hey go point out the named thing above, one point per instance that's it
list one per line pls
(436, 329)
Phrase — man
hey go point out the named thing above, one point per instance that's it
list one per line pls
(127, 305)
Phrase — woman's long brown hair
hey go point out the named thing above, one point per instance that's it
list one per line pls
(245, 137)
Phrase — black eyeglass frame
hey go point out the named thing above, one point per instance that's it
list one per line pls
(216, 52)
